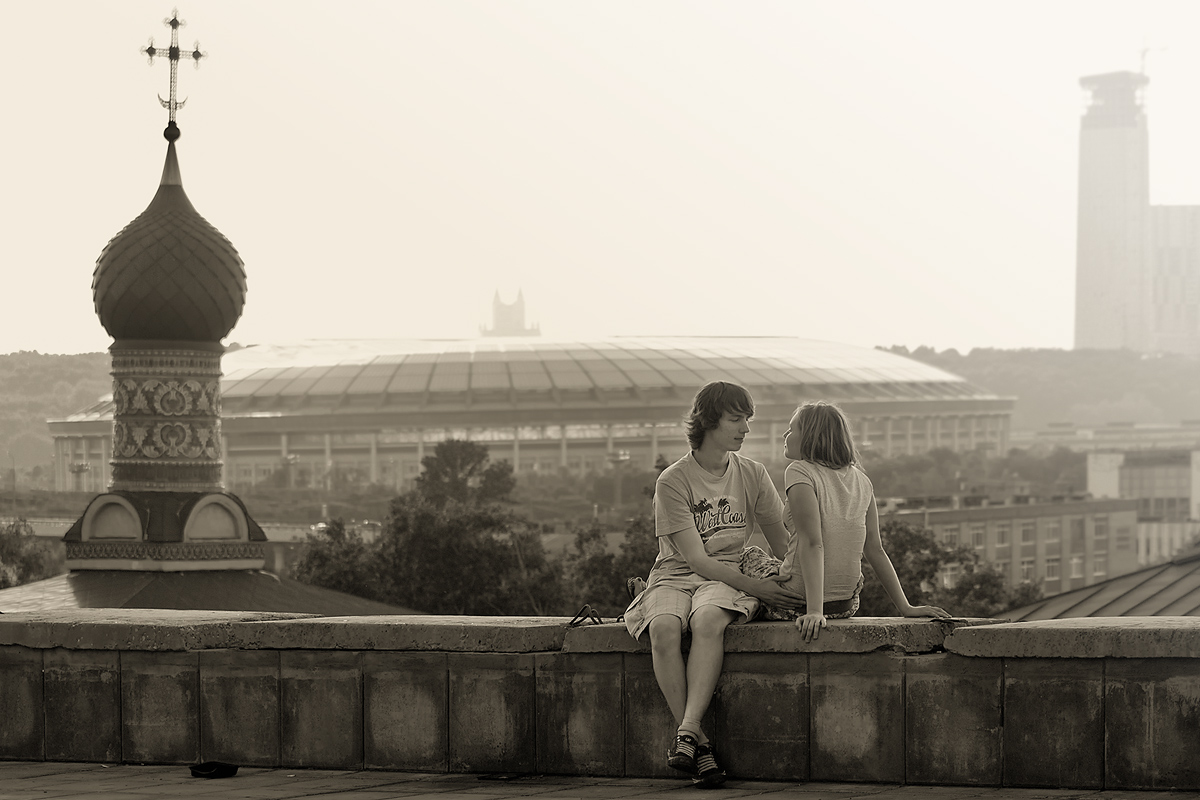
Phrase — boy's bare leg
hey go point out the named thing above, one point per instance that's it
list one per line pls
(666, 636)
(704, 662)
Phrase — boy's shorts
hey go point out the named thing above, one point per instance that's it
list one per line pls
(670, 597)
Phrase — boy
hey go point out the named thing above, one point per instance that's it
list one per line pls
(705, 506)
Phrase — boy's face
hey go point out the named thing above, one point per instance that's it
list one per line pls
(730, 432)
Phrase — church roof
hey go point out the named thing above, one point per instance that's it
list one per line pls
(220, 590)
(169, 275)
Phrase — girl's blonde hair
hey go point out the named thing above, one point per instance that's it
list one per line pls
(825, 437)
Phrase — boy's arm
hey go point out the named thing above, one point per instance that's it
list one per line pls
(886, 572)
(768, 590)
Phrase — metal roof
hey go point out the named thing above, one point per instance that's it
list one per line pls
(421, 370)
(1164, 590)
(215, 590)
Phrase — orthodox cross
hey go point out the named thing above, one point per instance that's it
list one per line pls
(173, 54)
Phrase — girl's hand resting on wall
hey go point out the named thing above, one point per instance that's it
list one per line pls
(810, 625)
(925, 611)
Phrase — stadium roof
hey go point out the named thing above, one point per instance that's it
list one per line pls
(419, 370)
(445, 380)
(1165, 590)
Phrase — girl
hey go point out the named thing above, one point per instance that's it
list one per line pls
(833, 523)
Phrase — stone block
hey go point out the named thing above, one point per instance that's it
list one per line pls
(1054, 722)
(580, 724)
(649, 726)
(1081, 637)
(492, 712)
(321, 710)
(239, 707)
(953, 720)
(405, 711)
(857, 717)
(83, 705)
(760, 716)
(160, 707)
(140, 629)
(1152, 723)
(22, 731)
(421, 632)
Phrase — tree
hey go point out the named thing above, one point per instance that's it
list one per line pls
(456, 558)
(592, 574)
(917, 557)
(640, 548)
(459, 470)
(23, 557)
(978, 591)
(340, 560)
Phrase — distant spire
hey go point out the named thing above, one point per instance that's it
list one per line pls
(172, 54)
(508, 319)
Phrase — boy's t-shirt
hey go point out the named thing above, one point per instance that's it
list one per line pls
(723, 510)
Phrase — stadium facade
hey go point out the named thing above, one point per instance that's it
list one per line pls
(318, 413)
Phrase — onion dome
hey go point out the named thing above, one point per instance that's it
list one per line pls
(169, 275)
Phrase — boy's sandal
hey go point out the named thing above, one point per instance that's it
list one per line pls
(708, 772)
(683, 756)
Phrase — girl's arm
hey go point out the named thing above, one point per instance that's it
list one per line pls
(810, 555)
(879, 561)
(776, 535)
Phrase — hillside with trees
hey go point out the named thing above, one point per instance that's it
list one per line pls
(37, 386)
(1086, 387)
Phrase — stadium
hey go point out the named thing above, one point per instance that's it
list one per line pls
(316, 413)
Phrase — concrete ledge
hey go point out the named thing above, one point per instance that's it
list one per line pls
(861, 635)
(156, 630)
(1088, 637)
(418, 633)
(129, 629)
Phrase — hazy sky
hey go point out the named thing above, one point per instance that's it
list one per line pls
(893, 172)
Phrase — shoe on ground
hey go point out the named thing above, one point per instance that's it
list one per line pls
(708, 772)
(683, 755)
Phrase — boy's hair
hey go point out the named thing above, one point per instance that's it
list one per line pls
(710, 405)
(825, 436)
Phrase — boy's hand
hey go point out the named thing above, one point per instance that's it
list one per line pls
(773, 593)
(810, 625)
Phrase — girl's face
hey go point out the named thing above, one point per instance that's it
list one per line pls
(791, 438)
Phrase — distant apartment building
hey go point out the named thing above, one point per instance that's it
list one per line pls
(1113, 436)
(1137, 279)
(1165, 484)
(1065, 545)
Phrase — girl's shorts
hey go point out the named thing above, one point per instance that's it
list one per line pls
(756, 563)
(680, 599)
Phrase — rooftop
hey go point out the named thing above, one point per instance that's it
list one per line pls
(21, 779)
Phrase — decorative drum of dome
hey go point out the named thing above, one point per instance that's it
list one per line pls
(169, 275)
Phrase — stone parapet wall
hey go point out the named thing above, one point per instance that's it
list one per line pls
(1111, 703)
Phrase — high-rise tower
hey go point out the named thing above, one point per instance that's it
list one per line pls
(1113, 304)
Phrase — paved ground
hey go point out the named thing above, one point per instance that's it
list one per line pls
(22, 780)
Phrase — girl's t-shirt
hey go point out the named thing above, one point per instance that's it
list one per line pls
(843, 497)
